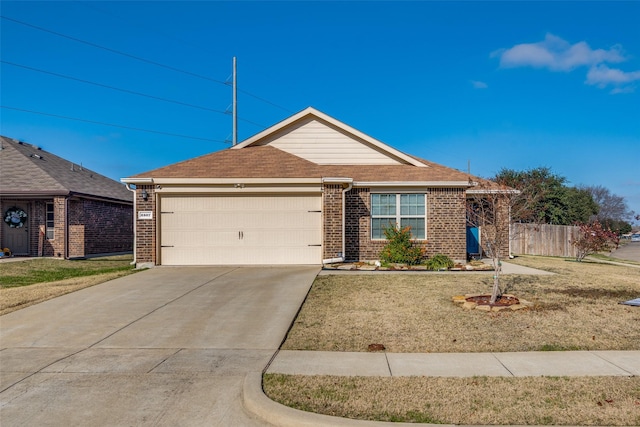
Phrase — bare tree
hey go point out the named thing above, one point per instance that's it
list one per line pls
(490, 207)
(611, 206)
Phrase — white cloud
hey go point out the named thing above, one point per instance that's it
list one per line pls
(479, 85)
(556, 54)
(602, 76)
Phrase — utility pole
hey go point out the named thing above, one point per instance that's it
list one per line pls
(235, 104)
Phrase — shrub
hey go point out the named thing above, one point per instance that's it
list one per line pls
(593, 239)
(439, 262)
(400, 249)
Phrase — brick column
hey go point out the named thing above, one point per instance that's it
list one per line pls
(145, 228)
(332, 220)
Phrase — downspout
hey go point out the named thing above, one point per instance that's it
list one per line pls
(344, 217)
(66, 227)
(133, 190)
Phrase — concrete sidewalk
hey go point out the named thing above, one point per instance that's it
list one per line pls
(523, 364)
(569, 363)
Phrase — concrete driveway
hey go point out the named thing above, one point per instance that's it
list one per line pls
(167, 346)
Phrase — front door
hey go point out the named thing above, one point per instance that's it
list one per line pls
(15, 233)
(473, 241)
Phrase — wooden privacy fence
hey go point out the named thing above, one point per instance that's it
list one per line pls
(543, 239)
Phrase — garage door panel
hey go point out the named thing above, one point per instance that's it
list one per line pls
(242, 230)
(196, 238)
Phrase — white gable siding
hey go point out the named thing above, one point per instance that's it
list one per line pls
(325, 145)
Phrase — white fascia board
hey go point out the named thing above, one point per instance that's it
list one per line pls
(337, 123)
(137, 180)
(412, 184)
(493, 191)
(337, 180)
(230, 189)
(218, 181)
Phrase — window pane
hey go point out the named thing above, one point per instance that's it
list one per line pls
(417, 226)
(383, 204)
(49, 234)
(412, 204)
(379, 224)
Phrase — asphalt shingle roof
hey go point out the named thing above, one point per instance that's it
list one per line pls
(269, 162)
(26, 170)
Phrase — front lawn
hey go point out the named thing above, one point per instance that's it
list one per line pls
(575, 309)
(24, 283)
(584, 401)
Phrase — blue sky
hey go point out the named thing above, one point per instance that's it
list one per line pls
(498, 85)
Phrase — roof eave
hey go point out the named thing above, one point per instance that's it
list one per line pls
(449, 184)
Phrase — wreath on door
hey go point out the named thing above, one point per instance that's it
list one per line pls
(15, 217)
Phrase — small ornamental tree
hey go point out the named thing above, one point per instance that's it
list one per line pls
(593, 238)
(400, 249)
(490, 207)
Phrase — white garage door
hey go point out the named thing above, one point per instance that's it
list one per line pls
(227, 230)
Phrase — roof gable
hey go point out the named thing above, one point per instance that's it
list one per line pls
(26, 170)
(323, 140)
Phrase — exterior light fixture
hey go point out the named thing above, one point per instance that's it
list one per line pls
(145, 195)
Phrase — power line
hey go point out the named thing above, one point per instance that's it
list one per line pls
(112, 87)
(264, 100)
(108, 49)
(110, 124)
(126, 91)
(168, 67)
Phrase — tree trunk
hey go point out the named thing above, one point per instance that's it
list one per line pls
(495, 294)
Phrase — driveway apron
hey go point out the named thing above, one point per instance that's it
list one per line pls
(166, 346)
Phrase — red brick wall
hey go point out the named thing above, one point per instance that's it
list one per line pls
(56, 246)
(332, 220)
(145, 229)
(99, 227)
(95, 227)
(446, 225)
(446, 222)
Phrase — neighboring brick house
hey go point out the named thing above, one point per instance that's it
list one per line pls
(308, 190)
(55, 208)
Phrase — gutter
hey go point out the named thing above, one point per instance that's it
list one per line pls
(349, 182)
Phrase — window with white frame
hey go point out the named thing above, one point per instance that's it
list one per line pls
(391, 210)
(49, 222)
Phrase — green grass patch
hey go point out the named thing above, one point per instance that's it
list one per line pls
(25, 273)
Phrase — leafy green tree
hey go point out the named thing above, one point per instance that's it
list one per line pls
(618, 227)
(580, 206)
(544, 190)
(553, 202)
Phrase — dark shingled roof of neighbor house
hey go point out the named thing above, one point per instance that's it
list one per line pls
(26, 170)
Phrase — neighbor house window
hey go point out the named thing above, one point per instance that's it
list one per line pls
(398, 210)
(49, 222)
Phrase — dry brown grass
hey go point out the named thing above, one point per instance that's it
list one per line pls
(575, 309)
(585, 401)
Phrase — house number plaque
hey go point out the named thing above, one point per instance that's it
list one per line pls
(145, 215)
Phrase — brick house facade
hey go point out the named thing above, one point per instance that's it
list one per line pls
(71, 211)
(339, 171)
